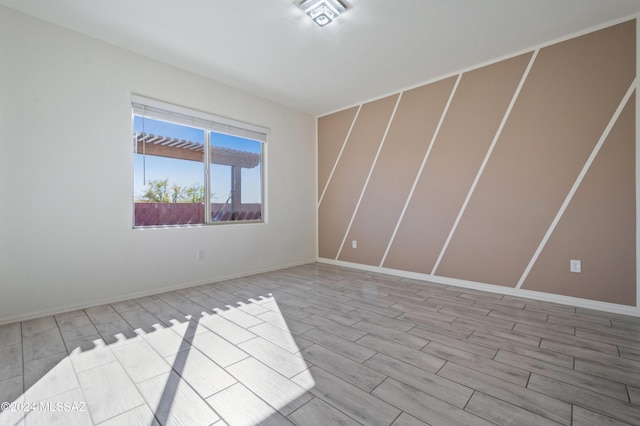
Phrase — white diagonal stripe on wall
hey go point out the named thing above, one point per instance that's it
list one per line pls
(424, 161)
(366, 182)
(578, 181)
(326, 185)
(486, 160)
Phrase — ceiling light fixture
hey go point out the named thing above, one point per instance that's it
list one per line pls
(322, 12)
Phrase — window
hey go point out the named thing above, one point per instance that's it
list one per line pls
(194, 168)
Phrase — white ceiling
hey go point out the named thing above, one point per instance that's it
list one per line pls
(270, 49)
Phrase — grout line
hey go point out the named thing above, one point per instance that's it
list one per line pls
(507, 113)
(578, 181)
(424, 162)
(335, 165)
(373, 165)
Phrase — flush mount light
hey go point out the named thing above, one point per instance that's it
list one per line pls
(322, 12)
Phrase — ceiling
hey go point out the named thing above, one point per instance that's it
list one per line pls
(271, 49)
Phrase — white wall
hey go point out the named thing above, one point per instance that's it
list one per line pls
(66, 237)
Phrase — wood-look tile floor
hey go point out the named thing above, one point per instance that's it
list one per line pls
(323, 345)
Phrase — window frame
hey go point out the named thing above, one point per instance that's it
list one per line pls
(148, 108)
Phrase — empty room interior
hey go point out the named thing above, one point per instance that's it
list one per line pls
(319, 212)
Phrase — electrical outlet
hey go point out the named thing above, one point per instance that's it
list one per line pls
(354, 244)
(575, 266)
(200, 254)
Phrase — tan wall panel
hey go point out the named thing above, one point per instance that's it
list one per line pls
(598, 227)
(570, 95)
(342, 194)
(470, 125)
(332, 131)
(409, 136)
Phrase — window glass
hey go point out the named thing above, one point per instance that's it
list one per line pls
(188, 174)
(168, 173)
(235, 178)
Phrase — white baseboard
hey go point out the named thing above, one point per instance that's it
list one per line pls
(98, 302)
(535, 295)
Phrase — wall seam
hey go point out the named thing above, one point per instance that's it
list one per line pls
(486, 160)
(578, 181)
(424, 162)
(373, 165)
(344, 144)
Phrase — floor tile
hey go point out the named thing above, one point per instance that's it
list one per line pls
(141, 319)
(10, 334)
(227, 329)
(11, 361)
(102, 314)
(116, 331)
(11, 389)
(383, 321)
(108, 391)
(503, 413)
(174, 402)
(584, 417)
(42, 343)
(353, 372)
(89, 352)
(354, 351)
(139, 416)
(318, 413)
(238, 317)
(585, 398)
(140, 361)
(319, 344)
(406, 339)
(66, 409)
(277, 336)
(424, 406)
(522, 349)
(281, 360)
(611, 373)
(405, 419)
(422, 380)
(566, 375)
(219, 350)
(39, 324)
(528, 399)
(455, 342)
(203, 375)
(361, 406)
(76, 327)
(238, 406)
(411, 356)
(49, 376)
(278, 391)
(443, 327)
(338, 329)
(280, 320)
(497, 369)
(165, 341)
(124, 306)
(634, 395)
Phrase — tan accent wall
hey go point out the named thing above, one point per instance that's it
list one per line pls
(598, 227)
(413, 127)
(470, 125)
(567, 99)
(350, 174)
(332, 133)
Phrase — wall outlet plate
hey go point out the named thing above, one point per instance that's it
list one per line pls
(575, 266)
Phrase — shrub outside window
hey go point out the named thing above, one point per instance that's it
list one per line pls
(194, 168)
